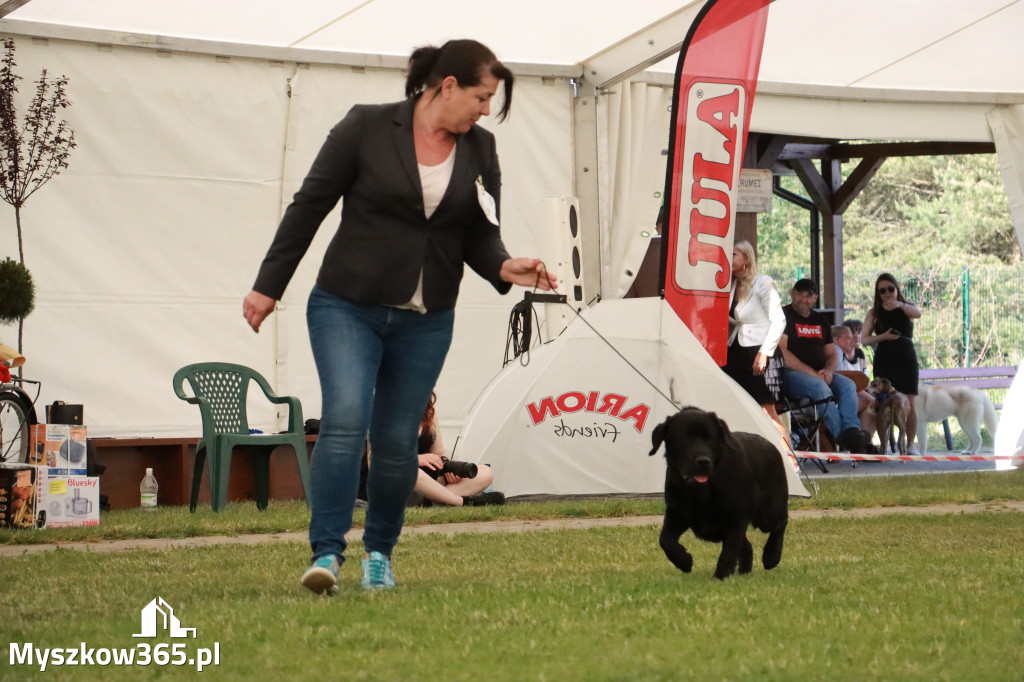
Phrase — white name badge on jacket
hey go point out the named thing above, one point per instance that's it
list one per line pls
(486, 202)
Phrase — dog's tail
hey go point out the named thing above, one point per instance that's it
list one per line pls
(991, 420)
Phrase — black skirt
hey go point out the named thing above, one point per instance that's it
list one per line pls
(896, 360)
(740, 366)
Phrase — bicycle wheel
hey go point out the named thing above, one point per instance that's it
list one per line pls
(14, 441)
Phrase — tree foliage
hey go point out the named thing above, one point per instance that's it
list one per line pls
(932, 211)
(37, 150)
(917, 212)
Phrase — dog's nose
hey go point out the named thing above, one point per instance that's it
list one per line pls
(703, 461)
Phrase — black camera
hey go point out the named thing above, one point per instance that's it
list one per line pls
(462, 469)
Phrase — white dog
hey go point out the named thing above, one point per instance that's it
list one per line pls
(970, 406)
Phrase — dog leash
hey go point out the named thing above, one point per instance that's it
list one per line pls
(600, 336)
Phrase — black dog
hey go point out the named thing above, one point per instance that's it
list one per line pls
(718, 483)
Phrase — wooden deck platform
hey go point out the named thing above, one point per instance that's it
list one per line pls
(172, 461)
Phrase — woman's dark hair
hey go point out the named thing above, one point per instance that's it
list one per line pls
(427, 421)
(884, 277)
(853, 325)
(466, 60)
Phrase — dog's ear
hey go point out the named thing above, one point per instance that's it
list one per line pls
(657, 437)
(726, 434)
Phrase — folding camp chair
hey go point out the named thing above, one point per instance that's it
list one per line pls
(806, 416)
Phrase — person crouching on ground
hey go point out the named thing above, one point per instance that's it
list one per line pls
(443, 487)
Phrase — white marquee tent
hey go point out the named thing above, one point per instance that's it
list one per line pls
(197, 119)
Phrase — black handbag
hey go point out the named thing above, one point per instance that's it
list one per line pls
(62, 413)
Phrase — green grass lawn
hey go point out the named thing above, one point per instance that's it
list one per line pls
(893, 597)
(896, 597)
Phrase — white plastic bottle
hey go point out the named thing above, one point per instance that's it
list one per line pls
(148, 489)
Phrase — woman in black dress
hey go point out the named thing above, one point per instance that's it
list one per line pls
(889, 327)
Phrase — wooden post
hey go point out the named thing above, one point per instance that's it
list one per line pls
(746, 228)
(746, 223)
(832, 241)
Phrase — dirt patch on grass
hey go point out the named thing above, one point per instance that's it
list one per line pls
(108, 546)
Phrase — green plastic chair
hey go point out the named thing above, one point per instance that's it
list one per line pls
(220, 390)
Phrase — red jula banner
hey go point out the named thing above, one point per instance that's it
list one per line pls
(716, 78)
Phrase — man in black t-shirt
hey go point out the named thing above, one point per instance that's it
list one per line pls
(811, 363)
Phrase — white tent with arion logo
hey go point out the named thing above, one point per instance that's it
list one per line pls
(575, 416)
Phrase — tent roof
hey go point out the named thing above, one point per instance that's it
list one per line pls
(946, 48)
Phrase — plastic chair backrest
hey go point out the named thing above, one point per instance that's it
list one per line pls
(224, 387)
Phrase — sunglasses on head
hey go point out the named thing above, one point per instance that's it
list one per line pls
(886, 290)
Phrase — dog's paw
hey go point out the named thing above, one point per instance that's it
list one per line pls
(771, 559)
(683, 562)
(725, 567)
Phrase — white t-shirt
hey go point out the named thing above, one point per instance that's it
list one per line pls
(845, 365)
(434, 180)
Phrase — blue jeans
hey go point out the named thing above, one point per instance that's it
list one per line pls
(377, 367)
(837, 419)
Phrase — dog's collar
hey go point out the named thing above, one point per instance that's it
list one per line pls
(882, 397)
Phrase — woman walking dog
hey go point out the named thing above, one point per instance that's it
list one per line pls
(421, 186)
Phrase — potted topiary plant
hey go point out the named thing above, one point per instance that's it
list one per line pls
(19, 297)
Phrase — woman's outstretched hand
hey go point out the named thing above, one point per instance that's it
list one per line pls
(528, 272)
(256, 307)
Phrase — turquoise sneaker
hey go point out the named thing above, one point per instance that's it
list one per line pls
(322, 576)
(377, 574)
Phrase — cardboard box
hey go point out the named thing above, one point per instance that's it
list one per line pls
(60, 448)
(68, 501)
(19, 495)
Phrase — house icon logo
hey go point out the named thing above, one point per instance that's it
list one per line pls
(159, 612)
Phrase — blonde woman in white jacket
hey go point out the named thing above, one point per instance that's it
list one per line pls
(756, 323)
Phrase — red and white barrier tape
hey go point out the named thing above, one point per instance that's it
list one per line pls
(838, 456)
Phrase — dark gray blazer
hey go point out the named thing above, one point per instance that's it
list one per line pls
(384, 239)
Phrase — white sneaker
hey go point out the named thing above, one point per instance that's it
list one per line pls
(913, 451)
